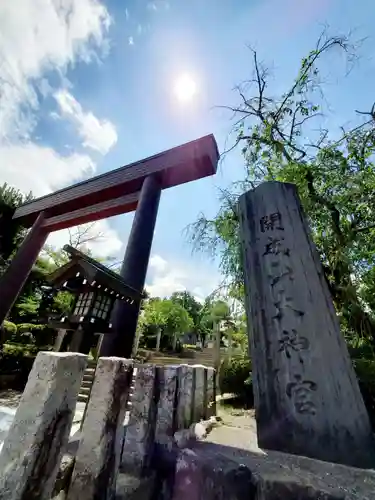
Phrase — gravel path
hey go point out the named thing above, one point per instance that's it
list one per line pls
(238, 429)
(10, 398)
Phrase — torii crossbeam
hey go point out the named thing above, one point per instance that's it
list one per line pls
(133, 187)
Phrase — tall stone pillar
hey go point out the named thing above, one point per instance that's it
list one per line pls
(306, 394)
(134, 270)
(140, 431)
(200, 387)
(185, 399)
(59, 339)
(15, 276)
(167, 377)
(39, 434)
(98, 457)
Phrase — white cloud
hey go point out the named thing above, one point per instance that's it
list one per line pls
(31, 167)
(99, 135)
(99, 237)
(131, 40)
(165, 277)
(158, 5)
(158, 264)
(37, 36)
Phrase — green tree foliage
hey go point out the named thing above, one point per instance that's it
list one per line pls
(167, 315)
(38, 301)
(235, 378)
(11, 232)
(190, 304)
(170, 317)
(219, 310)
(281, 138)
(199, 313)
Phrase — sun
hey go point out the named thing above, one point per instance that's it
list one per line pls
(185, 88)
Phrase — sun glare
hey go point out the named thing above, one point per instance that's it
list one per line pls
(185, 88)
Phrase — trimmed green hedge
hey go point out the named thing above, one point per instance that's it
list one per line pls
(365, 370)
(17, 360)
(28, 333)
(235, 378)
(9, 327)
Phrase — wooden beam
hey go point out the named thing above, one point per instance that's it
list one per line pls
(92, 213)
(191, 161)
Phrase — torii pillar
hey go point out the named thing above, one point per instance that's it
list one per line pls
(134, 270)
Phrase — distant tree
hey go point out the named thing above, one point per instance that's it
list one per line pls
(282, 138)
(167, 317)
(193, 307)
(11, 232)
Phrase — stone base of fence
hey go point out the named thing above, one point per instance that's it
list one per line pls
(212, 471)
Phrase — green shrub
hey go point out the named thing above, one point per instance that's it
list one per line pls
(14, 360)
(143, 356)
(365, 370)
(187, 353)
(40, 335)
(9, 327)
(360, 348)
(30, 327)
(27, 350)
(235, 378)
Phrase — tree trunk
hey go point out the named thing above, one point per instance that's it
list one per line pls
(158, 338)
(230, 346)
(217, 346)
(136, 342)
(174, 341)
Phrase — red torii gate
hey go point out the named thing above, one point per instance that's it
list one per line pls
(133, 187)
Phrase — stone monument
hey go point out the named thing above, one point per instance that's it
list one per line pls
(307, 398)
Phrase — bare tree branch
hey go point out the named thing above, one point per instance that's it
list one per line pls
(84, 234)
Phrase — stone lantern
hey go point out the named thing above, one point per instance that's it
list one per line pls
(96, 288)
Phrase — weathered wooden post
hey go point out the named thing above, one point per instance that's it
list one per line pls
(306, 394)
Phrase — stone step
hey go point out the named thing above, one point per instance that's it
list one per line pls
(82, 398)
(85, 390)
(87, 384)
(181, 361)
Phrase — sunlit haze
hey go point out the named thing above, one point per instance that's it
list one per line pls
(185, 88)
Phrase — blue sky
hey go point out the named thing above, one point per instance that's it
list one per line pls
(88, 87)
